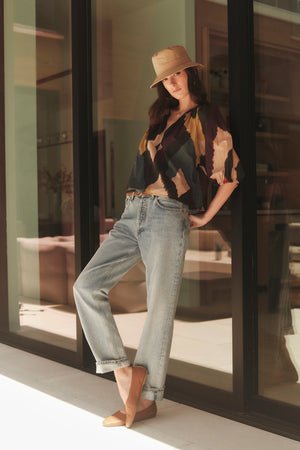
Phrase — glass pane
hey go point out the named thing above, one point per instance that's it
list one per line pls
(123, 72)
(39, 170)
(277, 71)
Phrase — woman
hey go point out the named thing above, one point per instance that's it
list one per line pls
(185, 145)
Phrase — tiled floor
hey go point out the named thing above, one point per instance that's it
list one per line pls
(46, 405)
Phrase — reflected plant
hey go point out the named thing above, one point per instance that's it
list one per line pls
(218, 251)
(60, 182)
(59, 187)
(218, 247)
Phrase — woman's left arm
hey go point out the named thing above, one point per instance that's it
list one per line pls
(223, 193)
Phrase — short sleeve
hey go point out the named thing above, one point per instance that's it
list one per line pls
(221, 161)
(143, 143)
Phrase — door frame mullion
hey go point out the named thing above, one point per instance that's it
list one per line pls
(242, 125)
(86, 239)
(3, 241)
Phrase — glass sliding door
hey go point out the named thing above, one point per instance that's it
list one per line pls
(277, 72)
(39, 170)
(122, 74)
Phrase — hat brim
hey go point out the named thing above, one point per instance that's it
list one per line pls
(172, 70)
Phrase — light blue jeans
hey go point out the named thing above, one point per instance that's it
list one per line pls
(156, 230)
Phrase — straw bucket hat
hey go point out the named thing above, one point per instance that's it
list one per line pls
(169, 61)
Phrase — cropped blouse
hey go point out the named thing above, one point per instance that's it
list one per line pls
(179, 161)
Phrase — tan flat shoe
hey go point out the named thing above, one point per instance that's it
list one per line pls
(118, 419)
(146, 413)
(115, 420)
(138, 379)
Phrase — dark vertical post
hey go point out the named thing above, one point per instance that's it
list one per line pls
(85, 236)
(3, 244)
(242, 123)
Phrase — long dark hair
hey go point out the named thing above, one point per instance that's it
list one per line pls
(165, 102)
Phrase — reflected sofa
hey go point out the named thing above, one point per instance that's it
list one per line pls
(56, 269)
(208, 259)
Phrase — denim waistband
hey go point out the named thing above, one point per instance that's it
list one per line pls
(131, 195)
(139, 195)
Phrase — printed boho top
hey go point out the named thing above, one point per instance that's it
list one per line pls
(179, 161)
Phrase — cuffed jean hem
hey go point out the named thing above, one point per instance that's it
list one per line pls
(155, 394)
(109, 366)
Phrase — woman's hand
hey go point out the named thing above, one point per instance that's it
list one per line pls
(223, 193)
(198, 221)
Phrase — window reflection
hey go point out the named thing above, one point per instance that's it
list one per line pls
(277, 71)
(39, 156)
